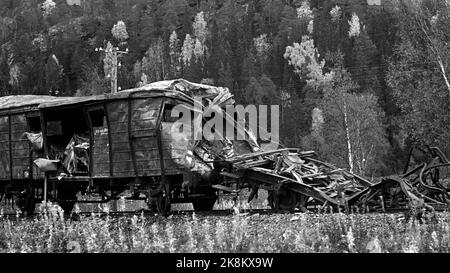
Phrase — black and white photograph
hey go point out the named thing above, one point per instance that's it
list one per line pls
(239, 129)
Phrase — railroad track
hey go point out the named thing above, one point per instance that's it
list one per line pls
(221, 212)
(148, 213)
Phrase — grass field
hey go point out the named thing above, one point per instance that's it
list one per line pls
(302, 232)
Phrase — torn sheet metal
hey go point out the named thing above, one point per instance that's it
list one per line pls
(35, 140)
(290, 175)
(76, 155)
(188, 149)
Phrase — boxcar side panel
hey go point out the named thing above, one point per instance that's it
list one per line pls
(5, 173)
(143, 130)
(20, 146)
(121, 155)
(144, 120)
(100, 147)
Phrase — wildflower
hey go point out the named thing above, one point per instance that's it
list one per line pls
(235, 209)
(191, 240)
(325, 246)
(374, 246)
(350, 240)
(412, 248)
(208, 241)
(73, 247)
(106, 209)
(170, 238)
(77, 209)
(220, 235)
(435, 241)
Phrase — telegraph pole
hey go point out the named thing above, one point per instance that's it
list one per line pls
(115, 54)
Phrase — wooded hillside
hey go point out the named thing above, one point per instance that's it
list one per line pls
(358, 81)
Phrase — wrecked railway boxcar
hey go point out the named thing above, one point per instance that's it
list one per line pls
(54, 147)
(105, 144)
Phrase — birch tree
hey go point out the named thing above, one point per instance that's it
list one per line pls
(119, 31)
(187, 50)
(174, 54)
(418, 73)
(306, 61)
(47, 7)
(352, 132)
(433, 31)
(353, 121)
(355, 26)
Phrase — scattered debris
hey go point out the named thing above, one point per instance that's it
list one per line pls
(296, 179)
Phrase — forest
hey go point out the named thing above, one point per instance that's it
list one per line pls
(359, 82)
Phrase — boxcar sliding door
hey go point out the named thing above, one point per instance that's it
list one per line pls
(100, 146)
(122, 163)
(144, 117)
(144, 138)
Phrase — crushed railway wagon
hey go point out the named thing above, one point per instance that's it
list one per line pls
(55, 147)
(52, 148)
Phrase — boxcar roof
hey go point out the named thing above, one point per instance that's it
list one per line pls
(180, 89)
(9, 102)
(119, 95)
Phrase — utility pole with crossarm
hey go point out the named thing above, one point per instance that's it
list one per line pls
(115, 54)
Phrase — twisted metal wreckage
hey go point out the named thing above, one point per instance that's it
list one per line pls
(296, 179)
(137, 149)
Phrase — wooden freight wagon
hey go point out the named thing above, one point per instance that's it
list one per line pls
(103, 144)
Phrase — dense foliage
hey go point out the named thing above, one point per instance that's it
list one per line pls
(304, 232)
(374, 75)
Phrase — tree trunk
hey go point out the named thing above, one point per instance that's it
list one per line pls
(349, 144)
(441, 66)
(162, 66)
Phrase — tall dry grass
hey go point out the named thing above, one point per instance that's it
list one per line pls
(353, 233)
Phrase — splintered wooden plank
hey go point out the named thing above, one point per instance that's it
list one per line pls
(258, 154)
(224, 188)
(255, 163)
(230, 175)
(266, 177)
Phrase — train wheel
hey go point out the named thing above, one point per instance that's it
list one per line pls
(160, 202)
(67, 206)
(205, 203)
(163, 204)
(286, 200)
(66, 194)
(26, 201)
